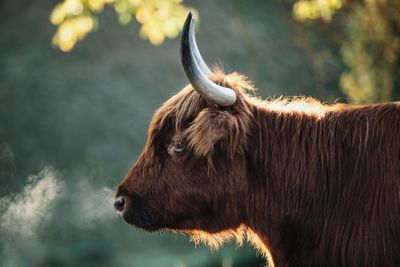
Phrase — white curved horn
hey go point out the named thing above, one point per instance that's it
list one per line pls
(195, 50)
(196, 70)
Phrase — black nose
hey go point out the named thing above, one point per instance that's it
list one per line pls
(119, 204)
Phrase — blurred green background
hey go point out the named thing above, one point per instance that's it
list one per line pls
(80, 80)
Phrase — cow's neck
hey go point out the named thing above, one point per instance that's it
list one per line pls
(282, 150)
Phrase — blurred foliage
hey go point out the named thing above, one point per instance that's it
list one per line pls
(76, 18)
(372, 51)
(313, 9)
(371, 44)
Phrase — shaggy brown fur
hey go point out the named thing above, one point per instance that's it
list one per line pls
(318, 185)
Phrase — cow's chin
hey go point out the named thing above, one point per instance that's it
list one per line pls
(144, 219)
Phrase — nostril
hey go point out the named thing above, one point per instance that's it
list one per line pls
(119, 204)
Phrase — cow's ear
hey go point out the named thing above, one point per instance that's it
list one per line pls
(211, 126)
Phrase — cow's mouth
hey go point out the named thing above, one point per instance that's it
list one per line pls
(135, 212)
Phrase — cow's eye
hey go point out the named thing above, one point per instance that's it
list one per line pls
(176, 147)
(179, 146)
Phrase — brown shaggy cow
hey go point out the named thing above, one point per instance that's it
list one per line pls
(310, 184)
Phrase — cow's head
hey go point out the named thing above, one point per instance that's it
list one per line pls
(191, 173)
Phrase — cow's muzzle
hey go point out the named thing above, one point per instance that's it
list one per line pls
(134, 210)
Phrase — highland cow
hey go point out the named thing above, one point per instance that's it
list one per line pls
(315, 184)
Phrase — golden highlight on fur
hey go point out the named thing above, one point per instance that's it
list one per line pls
(239, 235)
(309, 184)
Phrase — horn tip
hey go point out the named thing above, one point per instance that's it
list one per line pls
(188, 22)
(190, 15)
